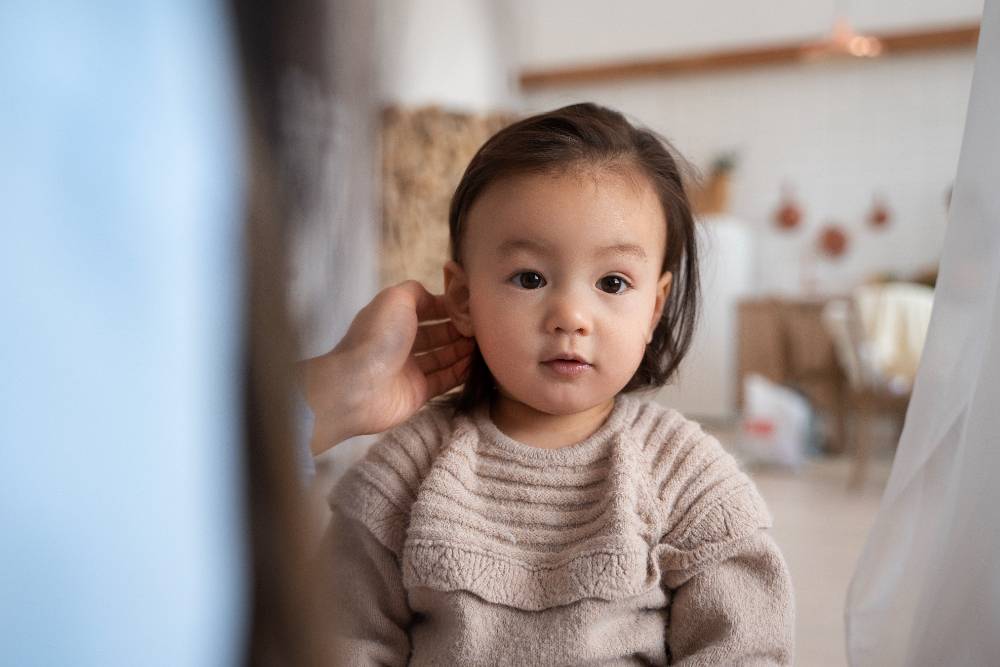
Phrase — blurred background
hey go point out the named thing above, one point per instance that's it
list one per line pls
(826, 134)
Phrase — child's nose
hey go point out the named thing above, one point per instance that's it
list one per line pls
(568, 314)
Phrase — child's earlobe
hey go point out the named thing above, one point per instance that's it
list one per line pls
(456, 296)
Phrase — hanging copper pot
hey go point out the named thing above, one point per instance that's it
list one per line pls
(833, 241)
(880, 215)
(789, 214)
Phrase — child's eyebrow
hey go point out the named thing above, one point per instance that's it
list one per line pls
(624, 249)
(537, 247)
(513, 245)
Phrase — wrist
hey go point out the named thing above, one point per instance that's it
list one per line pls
(334, 406)
(326, 435)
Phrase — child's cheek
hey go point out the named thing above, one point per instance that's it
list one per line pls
(637, 354)
(495, 308)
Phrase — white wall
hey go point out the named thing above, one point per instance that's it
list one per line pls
(458, 54)
(839, 131)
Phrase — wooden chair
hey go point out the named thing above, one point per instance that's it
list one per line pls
(870, 395)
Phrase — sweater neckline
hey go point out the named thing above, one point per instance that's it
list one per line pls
(585, 451)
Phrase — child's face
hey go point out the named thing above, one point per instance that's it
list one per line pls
(560, 266)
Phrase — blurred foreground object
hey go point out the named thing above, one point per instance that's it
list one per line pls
(120, 481)
(925, 590)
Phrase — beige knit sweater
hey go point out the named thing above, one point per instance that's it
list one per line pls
(452, 544)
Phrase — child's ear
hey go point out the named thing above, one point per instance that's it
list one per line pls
(456, 297)
(662, 291)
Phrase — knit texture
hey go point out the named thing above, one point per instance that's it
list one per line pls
(578, 553)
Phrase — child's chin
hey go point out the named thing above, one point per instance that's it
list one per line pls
(559, 407)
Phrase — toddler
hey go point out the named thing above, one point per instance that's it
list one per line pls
(545, 515)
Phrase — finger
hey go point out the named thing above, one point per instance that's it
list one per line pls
(430, 336)
(448, 378)
(434, 308)
(428, 306)
(442, 357)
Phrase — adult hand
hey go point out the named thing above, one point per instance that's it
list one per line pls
(396, 355)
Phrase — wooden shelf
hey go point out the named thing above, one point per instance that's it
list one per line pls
(952, 37)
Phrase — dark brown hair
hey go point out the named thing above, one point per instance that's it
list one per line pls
(591, 135)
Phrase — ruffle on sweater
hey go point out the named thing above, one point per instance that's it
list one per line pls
(649, 499)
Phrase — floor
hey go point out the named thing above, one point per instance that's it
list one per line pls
(821, 527)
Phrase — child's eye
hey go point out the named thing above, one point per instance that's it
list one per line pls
(613, 284)
(528, 280)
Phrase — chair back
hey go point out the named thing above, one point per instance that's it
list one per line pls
(878, 334)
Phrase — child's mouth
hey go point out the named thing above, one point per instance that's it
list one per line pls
(566, 367)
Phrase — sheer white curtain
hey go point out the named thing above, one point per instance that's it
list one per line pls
(927, 587)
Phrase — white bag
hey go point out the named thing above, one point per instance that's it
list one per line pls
(776, 424)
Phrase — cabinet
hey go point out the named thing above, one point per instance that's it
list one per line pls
(784, 340)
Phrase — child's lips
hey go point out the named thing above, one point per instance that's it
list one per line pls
(567, 367)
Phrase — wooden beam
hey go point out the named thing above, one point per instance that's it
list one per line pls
(964, 36)
(926, 40)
